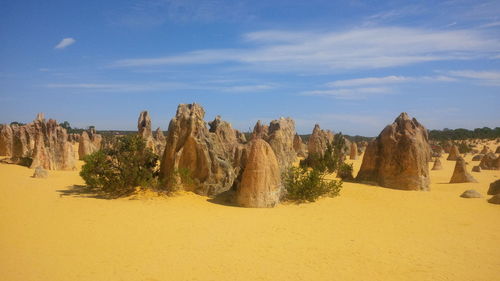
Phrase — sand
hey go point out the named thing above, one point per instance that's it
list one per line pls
(367, 233)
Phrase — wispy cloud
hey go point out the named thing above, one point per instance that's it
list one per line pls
(350, 94)
(162, 86)
(392, 79)
(491, 78)
(362, 88)
(65, 43)
(313, 52)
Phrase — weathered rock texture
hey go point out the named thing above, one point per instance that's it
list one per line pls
(494, 188)
(299, 146)
(460, 173)
(490, 162)
(160, 141)
(397, 158)
(89, 143)
(437, 165)
(454, 154)
(318, 141)
(354, 151)
(144, 130)
(6, 140)
(280, 136)
(261, 182)
(207, 155)
(498, 149)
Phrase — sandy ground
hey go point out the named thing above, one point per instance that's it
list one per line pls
(367, 233)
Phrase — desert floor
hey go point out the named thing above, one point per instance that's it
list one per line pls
(367, 233)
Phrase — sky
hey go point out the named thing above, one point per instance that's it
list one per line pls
(351, 66)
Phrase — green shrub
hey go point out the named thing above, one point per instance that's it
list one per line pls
(119, 170)
(304, 184)
(344, 172)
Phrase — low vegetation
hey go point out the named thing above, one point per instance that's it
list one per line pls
(304, 185)
(462, 134)
(119, 170)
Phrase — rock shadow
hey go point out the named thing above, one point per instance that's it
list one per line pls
(226, 198)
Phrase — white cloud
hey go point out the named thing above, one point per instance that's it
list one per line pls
(326, 52)
(65, 43)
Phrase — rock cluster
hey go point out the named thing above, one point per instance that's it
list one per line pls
(40, 143)
(261, 182)
(460, 173)
(398, 157)
(490, 161)
(207, 155)
(89, 143)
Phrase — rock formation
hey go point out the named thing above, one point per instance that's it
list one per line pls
(208, 156)
(460, 173)
(144, 130)
(494, 188)
(89, 143)
(498, 149)
(40, 173)
(260, 131)
(160, 141)
(6, 140)
(471, 193)
(478, 157)
(280, 137)
(397, 158)
(52, 150)
(454, 154)
(495, 199)
(476, 169)
(490, 162)
(261, 180)
(299, 146)
(354, 151)
(318, 141)
(485, 150)
(437, 165)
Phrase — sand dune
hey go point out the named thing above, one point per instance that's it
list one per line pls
(367, 233)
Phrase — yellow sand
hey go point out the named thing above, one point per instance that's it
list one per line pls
(368, 233)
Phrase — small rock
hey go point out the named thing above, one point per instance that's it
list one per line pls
(471, 193)
(494, 188)
(40, 173)
(476, 169)
(495, 199)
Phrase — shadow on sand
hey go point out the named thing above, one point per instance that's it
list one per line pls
(81, 191)
(225, 198)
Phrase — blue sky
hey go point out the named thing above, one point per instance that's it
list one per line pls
(351, 66)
